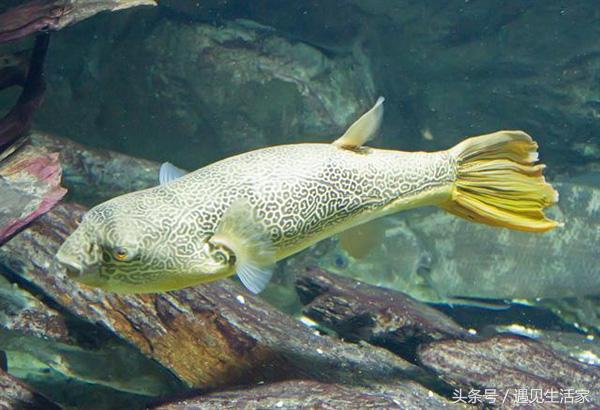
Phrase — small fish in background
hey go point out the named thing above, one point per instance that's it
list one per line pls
(243, 214)
(362, 239)
(399, 261)
(440, 259)
(507, 264)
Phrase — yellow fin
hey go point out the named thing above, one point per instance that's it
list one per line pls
(248, 239)
(498, 183)
(363, 129)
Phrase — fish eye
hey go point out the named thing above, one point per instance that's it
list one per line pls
(340, 261)
(120, 254)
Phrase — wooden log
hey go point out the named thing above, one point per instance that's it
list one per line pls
(94, 175)
(44, 15)
(16, 395)
(505, 364)
(209, 336)
(29, 186)
(308, 394)
(383, 317)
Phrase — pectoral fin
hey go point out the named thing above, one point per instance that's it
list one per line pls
(364, 129)
(169, 172)
(248, 239)
(255, 279)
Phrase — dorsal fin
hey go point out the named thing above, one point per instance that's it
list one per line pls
(363, 129)
(169, 172)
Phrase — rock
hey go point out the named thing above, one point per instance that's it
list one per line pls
(583, 347)
(438, 258)
(17, 122)
(57, 353)
(16, 395)
(213, 335)
(13, 69)
(21, 312)
(469, 69)
(302, 394)
(582, 312)
(509, 363)
(208, 10)
(477, 261)
(44, 15)
(30, 186)
(383, 317)
(196, 91)
(461, 68)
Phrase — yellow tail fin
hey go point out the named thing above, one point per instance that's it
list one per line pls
(498, 183)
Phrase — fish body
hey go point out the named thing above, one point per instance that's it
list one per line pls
(244, 213)
(300, 194)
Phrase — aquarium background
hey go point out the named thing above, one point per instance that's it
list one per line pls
(194, 82)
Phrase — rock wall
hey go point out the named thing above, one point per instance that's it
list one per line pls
(193, 93)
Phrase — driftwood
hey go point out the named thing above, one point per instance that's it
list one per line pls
(16, 395)
(209, 336)
(383, 317)
(217, 335)
(45, 15)
(29, 186)
(307, 394)
(506, 364)
(96, 174)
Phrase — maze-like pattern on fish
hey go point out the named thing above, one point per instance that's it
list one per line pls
(298, 192)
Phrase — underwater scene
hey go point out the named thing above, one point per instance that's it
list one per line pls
(326, 204)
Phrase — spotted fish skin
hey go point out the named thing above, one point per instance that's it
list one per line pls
(302, 191)
(300, 194)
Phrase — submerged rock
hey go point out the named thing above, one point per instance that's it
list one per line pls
(212, 335)
(301, 394)
(16, 395)
(24, 314)
(579, 346)
(196, 91)
(357, 311)
(463, 68)
(437, 257)
(510, 365)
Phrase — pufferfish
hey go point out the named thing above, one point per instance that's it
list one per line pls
(242, 214)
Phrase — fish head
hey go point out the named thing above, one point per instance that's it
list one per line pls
(121, 246)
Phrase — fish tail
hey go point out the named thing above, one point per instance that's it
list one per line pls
(498, 183)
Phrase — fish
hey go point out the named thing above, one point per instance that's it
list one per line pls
(440, 259)
(243, 214)
(362, 239)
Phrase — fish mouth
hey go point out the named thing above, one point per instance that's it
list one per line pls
(85, 276)
(72, 273)
(71, 268)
